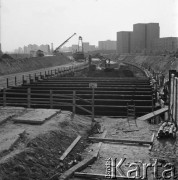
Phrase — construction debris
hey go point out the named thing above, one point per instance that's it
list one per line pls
(167, 129)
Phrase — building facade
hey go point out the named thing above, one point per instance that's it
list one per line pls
(152, 34)
(123, 42)
(86, 46)
(164, 45)
(107, 45)
(33, 47)
(139, 40)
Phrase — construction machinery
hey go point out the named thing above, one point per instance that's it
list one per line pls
(79, 54)
(56, 51)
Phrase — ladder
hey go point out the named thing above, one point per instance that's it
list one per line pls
(131, 117)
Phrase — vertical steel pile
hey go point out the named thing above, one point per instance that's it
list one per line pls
(173, 96)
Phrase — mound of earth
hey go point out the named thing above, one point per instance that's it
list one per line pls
(157, 63)
(37, 153)
(9, 65)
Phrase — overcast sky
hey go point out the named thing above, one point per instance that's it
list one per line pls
(39, 22)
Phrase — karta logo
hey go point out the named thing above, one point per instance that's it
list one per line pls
(114, 169)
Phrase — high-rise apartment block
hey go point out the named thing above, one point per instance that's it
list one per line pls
(152, 34)
(139, 37)
(139, 40)
(123, 42)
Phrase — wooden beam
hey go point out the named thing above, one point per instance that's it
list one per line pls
(83, 164)
(78, 167)
(68, 150)
(99, 176)
(153, 114)
(100, 144)
(152, 139)
(119, 140)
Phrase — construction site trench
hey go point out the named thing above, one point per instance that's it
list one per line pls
(33, 142)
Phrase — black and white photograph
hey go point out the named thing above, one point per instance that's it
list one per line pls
(88, 89)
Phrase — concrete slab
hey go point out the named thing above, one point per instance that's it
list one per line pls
(8, 112)
(36, 116)
(8, 140)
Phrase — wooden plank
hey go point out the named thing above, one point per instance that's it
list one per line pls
(78, 167)
(74, 103)
(85, 100)
(28, 97)
(119, 140)
(153, 114)
(51, 99)
(4, 97)
(69, 149)
(99, 176)
(82, 108)
(152, 139)
(100, 144)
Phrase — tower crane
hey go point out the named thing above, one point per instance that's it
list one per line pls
(57, 49)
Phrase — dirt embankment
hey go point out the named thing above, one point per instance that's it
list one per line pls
(157, 63)
(9, 66)
(37, 153)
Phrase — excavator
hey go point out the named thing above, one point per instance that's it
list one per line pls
(56, 51)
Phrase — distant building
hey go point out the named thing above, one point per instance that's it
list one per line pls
(107, 45)
(86, 46)
(139, 40)
(166, 44)
(92, 48)
(123, 42)
(74, 47)
(44, 48)
(32, 53)
(139, 37)
(33, 47)
(152, 34)
(25, 50)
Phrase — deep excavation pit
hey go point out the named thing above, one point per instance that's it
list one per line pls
(36, 155)
(115, 88)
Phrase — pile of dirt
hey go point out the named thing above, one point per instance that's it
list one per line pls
(9, 66)
(37, 154)
(160, 64)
